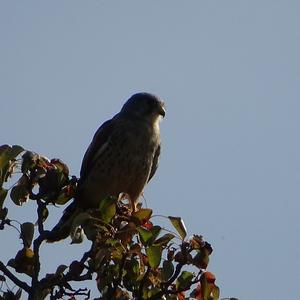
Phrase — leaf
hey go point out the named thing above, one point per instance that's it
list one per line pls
(76, 268)
(164, 240)
(12, 263)
(197, 242)
(65, 195)
(167, 270)
(3, 193)
(77, 236)
(60, 269)
(44, 214)
(210, 277)
(216, 293)
(207, 281)
(29, 160)
(7, 157)
(8, 153)
(201, 259)
(24, 261)
(76, 232)
(144, 214)
(145, 235)
(107, 208)
(149, 236)
(155, 230)
(3, 214)
(19, 194)
(184, 280)
(179, 226)
(15, 151)
(3, 155)
(27, 232)
(154, 256)
(60, 165)
(132, 269)
(181, 296)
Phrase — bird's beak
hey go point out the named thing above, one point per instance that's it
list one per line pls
(162, 111)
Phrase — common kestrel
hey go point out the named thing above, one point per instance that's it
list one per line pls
(121, 159)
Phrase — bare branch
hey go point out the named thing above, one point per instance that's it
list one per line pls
(23, 285)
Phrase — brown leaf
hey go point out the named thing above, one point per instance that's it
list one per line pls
(27, 232)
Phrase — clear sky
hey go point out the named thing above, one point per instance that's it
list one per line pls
(229, 72)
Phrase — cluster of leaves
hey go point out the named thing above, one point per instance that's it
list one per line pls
(132, 257)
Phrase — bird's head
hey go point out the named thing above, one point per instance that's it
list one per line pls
(145, 105)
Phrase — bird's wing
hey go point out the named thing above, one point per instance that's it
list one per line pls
(154, 163)
(97, 146)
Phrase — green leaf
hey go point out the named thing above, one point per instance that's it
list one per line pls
(167, 270)
(179, 226)
(7, 157)
(205, 289)
(107, 208)
(145, 235)
(155, 230)
(154, 256)
(148, 236)
(143, 214)
(8, 153)
(164, 240)
(184, 280)
(208, 287)
(132, 268)
(27, 232)
(216, 293)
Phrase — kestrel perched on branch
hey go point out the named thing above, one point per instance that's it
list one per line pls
(121, 159)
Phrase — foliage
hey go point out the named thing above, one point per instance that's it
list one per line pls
(132, 257)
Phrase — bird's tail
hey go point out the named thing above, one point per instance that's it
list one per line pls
(63, 228)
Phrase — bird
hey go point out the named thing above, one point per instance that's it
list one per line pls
(121, 159)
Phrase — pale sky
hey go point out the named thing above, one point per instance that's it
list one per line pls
(229, 72)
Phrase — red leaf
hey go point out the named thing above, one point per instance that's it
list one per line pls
(147, 224)
(210, 277)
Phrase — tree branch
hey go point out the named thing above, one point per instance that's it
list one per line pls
(36, 249)
(23, 285)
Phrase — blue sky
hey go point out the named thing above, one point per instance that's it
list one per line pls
(229, 72)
